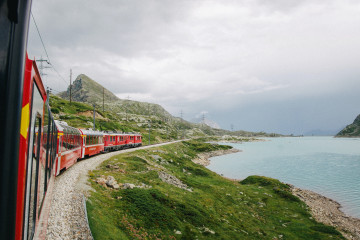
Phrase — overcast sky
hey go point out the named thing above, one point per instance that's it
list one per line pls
(286, 66)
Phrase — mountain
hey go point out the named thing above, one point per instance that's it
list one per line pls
(124, 114)
(86, 90)
(351, 130)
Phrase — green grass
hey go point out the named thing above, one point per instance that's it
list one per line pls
(217, 208)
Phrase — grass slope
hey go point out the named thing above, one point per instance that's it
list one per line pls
(217, 208)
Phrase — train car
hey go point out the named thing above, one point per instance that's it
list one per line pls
(134, 140)
(92, 143)
(138, 140)
(14, 18)
(115, 141)
(37, 154)
(69, 146)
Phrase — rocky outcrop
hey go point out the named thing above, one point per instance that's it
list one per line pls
(351, 130)
(108, 181)
(170, 179)
(203, 158)
(328, 211)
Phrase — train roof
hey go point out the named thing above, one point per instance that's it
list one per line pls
(115, 134)
(64, 127)
(91, 132)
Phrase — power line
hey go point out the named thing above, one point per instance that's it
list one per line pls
(47, 55)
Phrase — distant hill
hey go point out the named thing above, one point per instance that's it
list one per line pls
(320, 132)
(351, 130)
(134, 113)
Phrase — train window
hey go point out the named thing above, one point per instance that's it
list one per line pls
(33, 166)
(41, 163)
(34, 137)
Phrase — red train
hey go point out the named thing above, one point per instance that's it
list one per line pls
(33, 147)
(48, 147)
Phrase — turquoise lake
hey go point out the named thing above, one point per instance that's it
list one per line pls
(326, 165)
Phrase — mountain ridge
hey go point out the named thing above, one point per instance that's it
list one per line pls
(351, 130)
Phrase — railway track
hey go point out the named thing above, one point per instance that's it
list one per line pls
(67, 218)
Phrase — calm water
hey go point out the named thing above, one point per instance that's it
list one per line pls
(326, 165)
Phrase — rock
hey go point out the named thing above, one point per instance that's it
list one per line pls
(128, 186)
(111, 182)
(156, 157)
(207, 230)
(131, 186)
(170, 179)
(177, 232)
(101, 181)
(159, 151)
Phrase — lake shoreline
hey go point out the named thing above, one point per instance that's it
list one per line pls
(323, 209)
(327, 211)
(203, 158)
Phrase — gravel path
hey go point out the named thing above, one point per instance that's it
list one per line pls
(67, 215)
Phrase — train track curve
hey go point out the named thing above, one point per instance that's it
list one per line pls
(67, 217)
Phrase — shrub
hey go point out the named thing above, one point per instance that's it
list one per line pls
(55, 110)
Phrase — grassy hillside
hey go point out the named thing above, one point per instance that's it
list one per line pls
(80, 115)
(203, 205)
(351, 130)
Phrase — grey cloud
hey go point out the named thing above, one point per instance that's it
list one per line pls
(240, 60)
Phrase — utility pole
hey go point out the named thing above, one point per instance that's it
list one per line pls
(126, 108)
(42, 67)
(94, 116)
(103, 99)
(70, 83)
(149, 123)
(203, 118)
(181, 116)
(167, 133)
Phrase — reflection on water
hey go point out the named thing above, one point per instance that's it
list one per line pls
(329, 166)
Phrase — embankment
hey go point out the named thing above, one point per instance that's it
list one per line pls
(161, 193)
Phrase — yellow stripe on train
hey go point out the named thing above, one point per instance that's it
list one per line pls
(25, 120)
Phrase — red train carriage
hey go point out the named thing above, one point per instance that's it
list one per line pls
(134, 140)
(114, 141)
(92, 142)
(138, 140)
(36, 157)
(69, 147)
